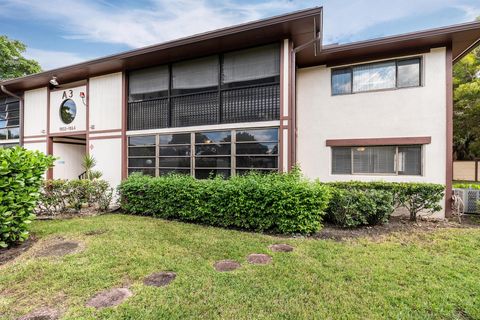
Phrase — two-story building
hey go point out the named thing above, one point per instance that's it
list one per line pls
(264, 95)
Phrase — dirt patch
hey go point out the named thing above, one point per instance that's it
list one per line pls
(59, 249)
(226, 265)
(42, 314)
(396, 224)
(281, 247)
(159, 279)
(259, 258)
(15, 251)
(95, 232)
(109, 298)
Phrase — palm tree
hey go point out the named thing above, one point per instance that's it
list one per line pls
(88, 163)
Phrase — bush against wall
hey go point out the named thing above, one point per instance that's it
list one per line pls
(284, 203)
(60, 196)
(20, 181)
(415, 197)
(353, 208)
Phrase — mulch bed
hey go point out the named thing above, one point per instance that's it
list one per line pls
(13, 252)
(396, 224)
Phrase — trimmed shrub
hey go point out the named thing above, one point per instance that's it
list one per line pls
(20, 181)
(415, 197)
(353, 208)
(466, 186)
(58, 196)
(284, 203)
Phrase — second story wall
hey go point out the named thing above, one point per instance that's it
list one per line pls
(105, 102)
(408, 112)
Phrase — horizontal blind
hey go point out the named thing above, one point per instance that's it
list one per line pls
(251, 64)
(374, 76)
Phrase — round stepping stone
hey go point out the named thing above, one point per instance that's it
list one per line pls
(109, 298)
(42, 314)
(159, 279)
(281, 247)
(59, 249)
(259, 258)
(226, 265)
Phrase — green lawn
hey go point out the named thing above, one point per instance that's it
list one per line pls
(422, 276)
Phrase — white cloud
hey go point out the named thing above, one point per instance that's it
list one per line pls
(53, 59)
(161, 20)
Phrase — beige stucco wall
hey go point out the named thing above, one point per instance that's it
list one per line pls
(108, 153)
(409, 112)
(105, 102)
(56, 99)
(69, 162)
(35, 115)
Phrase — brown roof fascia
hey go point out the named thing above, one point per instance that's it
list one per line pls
(118, 62)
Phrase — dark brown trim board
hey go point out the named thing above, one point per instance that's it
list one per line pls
(282, 104)
(49, 138)
(87, 121)
(35, 141)
(449, 133)
(397, 141)
(36, 136)
(124, 169)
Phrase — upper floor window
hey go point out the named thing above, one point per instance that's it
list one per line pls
(383, 75)
(239, 86)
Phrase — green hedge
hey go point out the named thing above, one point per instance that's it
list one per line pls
(20, 180)
(466, 186)
(284, 203)
(353, 208)
(415, 197)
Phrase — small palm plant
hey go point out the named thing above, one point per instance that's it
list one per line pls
(88, 163)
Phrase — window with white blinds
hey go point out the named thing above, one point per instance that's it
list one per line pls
(148, 84)
(392, 74)
(378, 160)
(249, 66)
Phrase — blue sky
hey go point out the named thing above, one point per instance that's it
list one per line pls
(63, 32)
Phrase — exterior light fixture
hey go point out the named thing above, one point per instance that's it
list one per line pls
(54, 81)
(361, 149)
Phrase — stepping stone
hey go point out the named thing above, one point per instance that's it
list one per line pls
(226, 265)
(109, 298)
(59, 249)
(281, 247)
(159, 279)
(42, 314)
(259, 258)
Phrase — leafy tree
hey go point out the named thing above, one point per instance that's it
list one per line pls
(466, 99)
(12, 62)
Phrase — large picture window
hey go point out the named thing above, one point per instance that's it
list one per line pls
(379, 160)
(377, 76)
(240, 86)
(205, 153)
(9, 119)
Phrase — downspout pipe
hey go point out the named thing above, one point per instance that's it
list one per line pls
(20, 99)
(293, 79)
